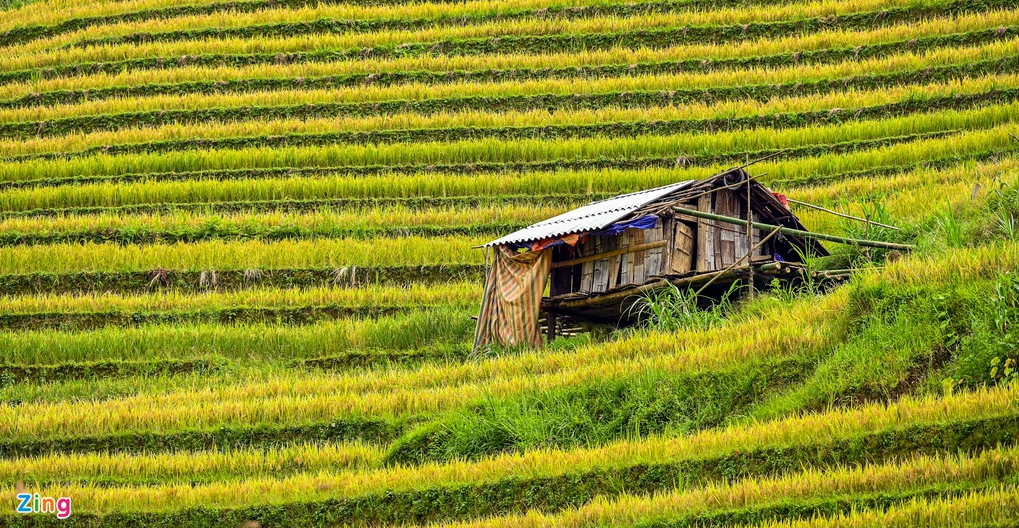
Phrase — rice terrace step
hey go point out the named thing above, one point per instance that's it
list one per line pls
(509, 263)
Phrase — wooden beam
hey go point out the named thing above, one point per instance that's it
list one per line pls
(795, 232)
(695, 280)
(609, 254)
(551, 320)
(705, 235)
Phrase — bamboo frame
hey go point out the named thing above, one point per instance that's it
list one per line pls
(843, 215)
(794, 232)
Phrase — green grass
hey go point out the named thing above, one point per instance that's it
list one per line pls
(252, 343)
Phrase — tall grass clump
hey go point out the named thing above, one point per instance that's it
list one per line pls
(671, 308)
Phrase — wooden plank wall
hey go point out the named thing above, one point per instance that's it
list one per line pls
(635, 261)
(602, 268)
(601, 275)
(719, 244)
(706, 234)
(729, 238)
(695, 244)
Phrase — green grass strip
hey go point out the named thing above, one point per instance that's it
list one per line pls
(516, 495)
(220, 438)
(297, 206)
(438, 329)
(481, 167)
(630, 99)
(284, 306)
(386, 78)
(535, 44)
(11, 374)
(146, 281)
(28, 33)
(16, 376)
(299, 315)
(197, 233)
(334, 26)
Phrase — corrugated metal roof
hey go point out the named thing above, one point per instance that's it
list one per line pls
(591, 217)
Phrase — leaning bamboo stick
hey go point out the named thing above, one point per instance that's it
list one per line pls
(843, 215)
(794, 232)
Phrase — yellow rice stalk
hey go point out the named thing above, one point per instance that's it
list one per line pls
(951, 264)
(228, 19)
(998, 507)
(740, 77)
(842, 101)
(779, 172)
(191, 464)
(444, 294)
(909, 197)
(544, 463)
(631, 510)
(239, 255)
(307, 43)
(319, 220)
(56, 11)
(618, 55)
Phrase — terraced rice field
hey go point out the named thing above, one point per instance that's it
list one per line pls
(238, 264)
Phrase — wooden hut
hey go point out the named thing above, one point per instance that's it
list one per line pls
(597, 260)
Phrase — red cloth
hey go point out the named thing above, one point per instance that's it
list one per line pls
(781, 197)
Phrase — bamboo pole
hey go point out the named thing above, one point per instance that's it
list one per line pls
(843, 215)
(750, 240)
(794, 232)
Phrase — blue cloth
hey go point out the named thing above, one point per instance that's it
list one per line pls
(644, 222)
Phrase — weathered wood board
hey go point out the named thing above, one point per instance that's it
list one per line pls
(637, 257)
(624, 260)
(653, 257)
(587, 273)
(683, 252)
(602, 268)
(705, 235)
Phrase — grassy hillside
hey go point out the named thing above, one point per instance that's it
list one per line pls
(237, 271)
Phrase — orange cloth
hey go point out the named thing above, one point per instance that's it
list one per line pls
(571, 239)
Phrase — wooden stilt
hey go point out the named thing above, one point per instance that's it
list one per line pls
(550, 318)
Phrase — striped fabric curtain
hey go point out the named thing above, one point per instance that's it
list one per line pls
(509, 308)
